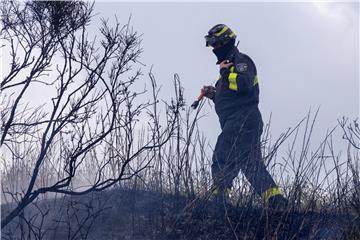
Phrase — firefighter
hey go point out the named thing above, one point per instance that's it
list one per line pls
(236, 98)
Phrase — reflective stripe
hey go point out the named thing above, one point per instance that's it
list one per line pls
(270, 193)
(256, 80)
(222, 31)
(232, 34)
(232, 81)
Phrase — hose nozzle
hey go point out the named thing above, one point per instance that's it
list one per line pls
(199, 98)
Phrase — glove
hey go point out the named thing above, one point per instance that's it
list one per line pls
(209, 91)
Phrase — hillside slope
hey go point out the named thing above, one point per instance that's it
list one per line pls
(140, 215)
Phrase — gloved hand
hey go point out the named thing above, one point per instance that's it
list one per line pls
(209, 91)
(224, 68)
(225, 64)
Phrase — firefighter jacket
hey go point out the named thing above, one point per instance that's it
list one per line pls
(237, 87)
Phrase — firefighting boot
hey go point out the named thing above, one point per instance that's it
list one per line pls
(278, 203)
(274, 200)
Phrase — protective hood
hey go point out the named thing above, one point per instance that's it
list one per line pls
(223, 51)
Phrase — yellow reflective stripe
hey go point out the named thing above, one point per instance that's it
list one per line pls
(222, 31)
(270, 193)
(232, 69)
(232, 81)
(256, 80)
(232, 34)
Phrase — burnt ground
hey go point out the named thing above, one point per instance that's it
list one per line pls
(139, 215)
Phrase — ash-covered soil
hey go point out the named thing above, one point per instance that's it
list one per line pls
(140, 215)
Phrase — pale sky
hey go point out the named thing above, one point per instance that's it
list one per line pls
(307, 54)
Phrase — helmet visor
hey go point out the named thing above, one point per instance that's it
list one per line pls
(212, 41)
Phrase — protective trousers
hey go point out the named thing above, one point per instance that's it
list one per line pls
(238, 148)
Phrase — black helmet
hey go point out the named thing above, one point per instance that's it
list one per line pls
(219, 35)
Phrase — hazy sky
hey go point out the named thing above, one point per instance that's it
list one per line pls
(307, 54)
